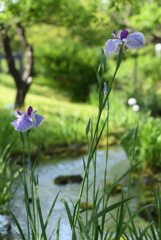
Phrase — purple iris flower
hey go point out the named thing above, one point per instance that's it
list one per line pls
(124, 39)
(25, 121)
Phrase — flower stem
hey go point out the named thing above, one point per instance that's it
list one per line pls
(31, 184)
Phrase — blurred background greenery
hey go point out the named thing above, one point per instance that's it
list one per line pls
(67, 37)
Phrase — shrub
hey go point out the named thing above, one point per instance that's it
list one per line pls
(69, 66)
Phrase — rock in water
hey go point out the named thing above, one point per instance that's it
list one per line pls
(62, 180)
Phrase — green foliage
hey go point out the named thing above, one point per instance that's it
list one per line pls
(70, 65)
(7, 167)
(91, 227)
(51, 12)
(65, 121)
(148, 142)
(7, 177)
(148, 17)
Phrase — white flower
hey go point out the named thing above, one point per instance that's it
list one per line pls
(135, 108)
(132, 101)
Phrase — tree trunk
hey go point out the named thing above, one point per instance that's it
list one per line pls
(22, 82)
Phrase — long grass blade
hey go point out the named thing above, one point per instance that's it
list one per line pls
(121, 218)
(43, 235)
(51, 210)
(108, 209)
(18, 225)
(144, 231)
(71, 221)
(133, 216)
(58, 228)
(116, 182)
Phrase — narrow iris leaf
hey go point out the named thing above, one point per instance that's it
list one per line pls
(133, 216)
(22, 138)
(88, 126)
(108, 209)
(103, 59)
(136, 131)
(18, 225)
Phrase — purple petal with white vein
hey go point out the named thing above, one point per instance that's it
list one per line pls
(112, 46)
(22, 124)
(134, 41)
(37, 120)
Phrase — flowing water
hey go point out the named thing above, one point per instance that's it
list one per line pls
(48, 170)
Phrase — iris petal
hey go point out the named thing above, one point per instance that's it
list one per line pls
(33, 112)
(29, 111)
(114, 34)
(124, 34)
(37, 120)
(20, 112)
(22, 124)
(134, 41)
(112, 46)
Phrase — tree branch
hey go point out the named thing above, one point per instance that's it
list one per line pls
(28, 72)
(11, 65)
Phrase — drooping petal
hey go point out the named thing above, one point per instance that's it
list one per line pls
(124, 34)
(20, 112)
(29, 111)
(22, 124)
(112, 46)
(134, 41)
(37, 120)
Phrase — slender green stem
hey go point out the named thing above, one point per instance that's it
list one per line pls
(105, 174)
(87, 187)
(24, 172)
(83, 181)
(94, 140)
(37, 214)
(32, 186)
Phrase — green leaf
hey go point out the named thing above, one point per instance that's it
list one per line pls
(136, 131)
(151, 227)
(51, 209)
(132, 223)
(40, 214)
(115, 183)
(34, 166)
(88, 126)
(144, 232)
(68, 212)
(58, 228)
(81, 226)
(22, 138)
(108, 209)
(133, 216)
(69, 216)
(18, 225)
(121, 219)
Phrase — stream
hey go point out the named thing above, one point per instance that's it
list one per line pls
(49, 170)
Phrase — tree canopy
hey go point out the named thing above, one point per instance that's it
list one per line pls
(67, 35)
